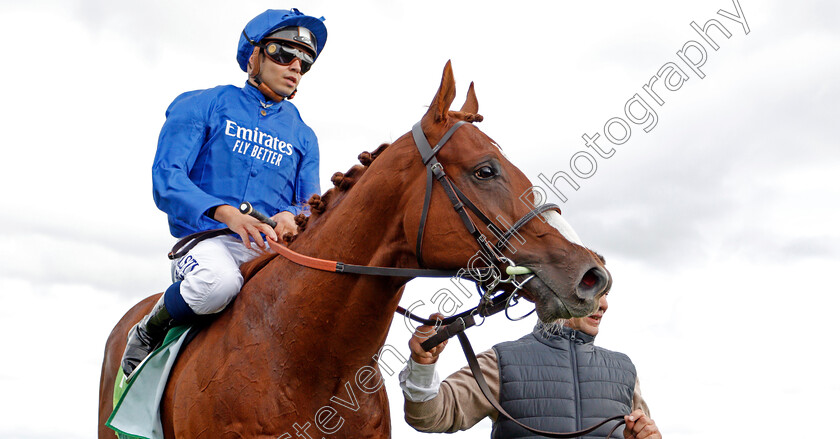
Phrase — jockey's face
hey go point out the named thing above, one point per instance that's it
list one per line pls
(282, 79)
(589, 325)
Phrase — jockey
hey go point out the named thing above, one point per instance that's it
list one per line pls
(225, 145)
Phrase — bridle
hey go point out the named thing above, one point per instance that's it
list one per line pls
(454, 325)
(434, 171)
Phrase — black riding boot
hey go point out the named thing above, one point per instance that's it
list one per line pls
(146, 336)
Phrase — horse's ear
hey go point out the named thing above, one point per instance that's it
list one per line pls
(444, 97)
(471, 105)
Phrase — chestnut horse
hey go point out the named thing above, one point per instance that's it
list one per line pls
(295, 337)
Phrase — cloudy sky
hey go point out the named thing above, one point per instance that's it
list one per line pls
(719, 222)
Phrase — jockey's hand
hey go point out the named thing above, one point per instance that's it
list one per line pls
(639, 426)
(245, 226)
(285, 223)
(420, 335)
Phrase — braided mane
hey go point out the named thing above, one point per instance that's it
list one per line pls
(342, 182)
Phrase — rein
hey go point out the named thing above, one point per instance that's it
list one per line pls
(185, 244)
(454, 325)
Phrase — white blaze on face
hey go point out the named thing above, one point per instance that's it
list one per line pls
(558, 222)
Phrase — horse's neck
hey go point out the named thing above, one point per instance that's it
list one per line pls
(341, 319)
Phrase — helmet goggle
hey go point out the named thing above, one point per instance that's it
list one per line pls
(284, 54)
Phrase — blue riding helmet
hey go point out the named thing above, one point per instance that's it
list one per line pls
(269, 21)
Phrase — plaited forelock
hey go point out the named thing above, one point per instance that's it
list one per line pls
(467, 117)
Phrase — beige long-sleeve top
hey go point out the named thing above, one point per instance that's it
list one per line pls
(459, 403)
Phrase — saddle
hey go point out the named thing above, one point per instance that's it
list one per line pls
(137, 400)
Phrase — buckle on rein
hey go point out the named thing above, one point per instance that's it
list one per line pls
(486, 306)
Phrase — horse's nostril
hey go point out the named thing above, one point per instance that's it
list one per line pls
(589, 279)
(592, 282)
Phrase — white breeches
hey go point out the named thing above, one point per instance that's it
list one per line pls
(209, 273)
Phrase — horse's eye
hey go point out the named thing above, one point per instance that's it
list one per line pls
(485, 173)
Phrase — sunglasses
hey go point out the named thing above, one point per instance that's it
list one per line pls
(284, 54)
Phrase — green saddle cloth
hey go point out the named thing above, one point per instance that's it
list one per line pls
(136, 412)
